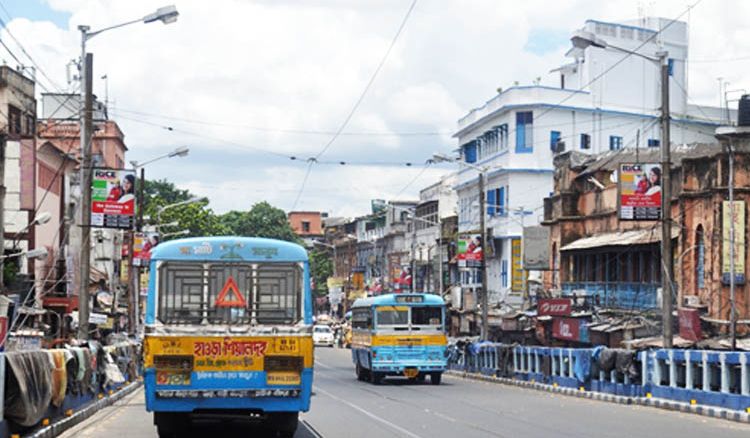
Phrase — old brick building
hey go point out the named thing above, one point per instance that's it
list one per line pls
(616, 263)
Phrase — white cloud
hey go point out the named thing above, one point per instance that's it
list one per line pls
(297, 65)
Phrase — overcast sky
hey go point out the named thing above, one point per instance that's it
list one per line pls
(245, 83)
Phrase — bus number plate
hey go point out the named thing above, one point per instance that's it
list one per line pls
(287, 345)
(283, 379)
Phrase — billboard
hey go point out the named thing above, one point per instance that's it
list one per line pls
(536, 248)
(734, 215)
(517, 272)
(113, 198)
(640, 191)
(143, 243)
(566, 329)
(554, 307)
(470, 247)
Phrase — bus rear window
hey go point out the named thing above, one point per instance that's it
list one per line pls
(229, 293)
(392, 315)
(424, 315)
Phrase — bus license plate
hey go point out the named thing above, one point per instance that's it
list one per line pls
(170, 378)
(283, 379)
(287, 345)
(411, 372)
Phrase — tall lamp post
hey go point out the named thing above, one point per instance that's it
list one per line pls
(584, 39)
(483, 229)
(166, 15)
(134, 272)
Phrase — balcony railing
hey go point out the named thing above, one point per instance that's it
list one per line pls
(615, 295)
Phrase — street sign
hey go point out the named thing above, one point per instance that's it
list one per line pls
(554, 307)
(235, 300)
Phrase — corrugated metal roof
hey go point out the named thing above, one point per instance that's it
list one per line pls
(619, 238)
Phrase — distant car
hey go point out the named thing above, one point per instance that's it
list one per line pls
(322, 335)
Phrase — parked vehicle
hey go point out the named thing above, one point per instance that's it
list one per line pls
(399, 335)
(323, 335)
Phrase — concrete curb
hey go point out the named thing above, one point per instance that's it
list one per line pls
(703, 410)
(64, 424)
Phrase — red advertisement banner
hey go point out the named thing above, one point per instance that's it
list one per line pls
(566, 329)
(554, 307)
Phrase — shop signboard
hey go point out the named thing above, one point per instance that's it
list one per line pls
(640, 191)
(113, 198)
(554, 307)
(736, 215)
(566, 329)
(517, 272)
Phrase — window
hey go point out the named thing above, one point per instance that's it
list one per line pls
(615, 142)
(470, 152)
(524, 132)
(362, 318)
(585, 141)
(392, 315)
(305, 226)
(554, 138)
(14, 120)
(491, 202)
(49, 179)
(502, 137)
(653, 143)
(501, 194)
(188, 292)
(504, 273)
(670, 66)
(427, 315)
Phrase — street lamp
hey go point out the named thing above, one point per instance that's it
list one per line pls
(166, 15)
(482, 212)
(583, 39)
(181, 151)
(176, 233)
(192, 200)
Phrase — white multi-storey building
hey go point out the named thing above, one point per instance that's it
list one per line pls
(606, 100)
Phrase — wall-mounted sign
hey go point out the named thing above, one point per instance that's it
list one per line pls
(734, 215)
(517, 272)
(470, 247)
(640, 191)
(536, 248)
(554, 307)
(112, 198)
(566, 329)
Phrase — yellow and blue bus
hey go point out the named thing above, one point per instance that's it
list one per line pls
(399, 335)
(228, 333)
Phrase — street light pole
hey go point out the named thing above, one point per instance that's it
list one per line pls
(87, 61)
(666, 206)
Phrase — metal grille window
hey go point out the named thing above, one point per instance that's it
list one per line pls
(229, 293)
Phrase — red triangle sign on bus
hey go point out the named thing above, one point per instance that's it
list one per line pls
(235, 300)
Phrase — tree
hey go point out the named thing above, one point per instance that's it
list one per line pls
(321, 267)
(263, 220)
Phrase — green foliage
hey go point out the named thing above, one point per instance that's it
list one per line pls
(321, 267)
(263, 220)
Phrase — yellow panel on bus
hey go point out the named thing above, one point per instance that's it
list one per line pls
(244, 353)
(370, 340)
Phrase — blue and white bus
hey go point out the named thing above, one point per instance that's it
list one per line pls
(399, 335)
(228, 333)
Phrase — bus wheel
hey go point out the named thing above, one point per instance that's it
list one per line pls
(435, 378)
(171, 424)
(360, 372)
(376, 378)
(284, 423)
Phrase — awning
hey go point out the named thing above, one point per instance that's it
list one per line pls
(619, 238)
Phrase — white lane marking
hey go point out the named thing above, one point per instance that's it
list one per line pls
(369, 414)
(322, 365)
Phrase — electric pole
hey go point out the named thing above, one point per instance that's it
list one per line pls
(3, 143)
(666, 207)
(485, 291)
(87, 61)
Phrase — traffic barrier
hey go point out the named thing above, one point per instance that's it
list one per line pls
(43, 388)
(691, 377)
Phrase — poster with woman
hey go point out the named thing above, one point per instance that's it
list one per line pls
(113, 198)
(640, 191)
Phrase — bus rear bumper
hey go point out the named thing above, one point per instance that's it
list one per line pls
(401, 367)
(208, 397)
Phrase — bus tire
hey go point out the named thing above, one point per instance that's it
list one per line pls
(360, 372)
(284, 423)
(435, 378)
(171, 424)
(376, 378)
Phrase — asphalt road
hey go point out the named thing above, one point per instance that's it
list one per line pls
(344, 407)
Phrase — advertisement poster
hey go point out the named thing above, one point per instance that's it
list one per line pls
(640, 191)
(143, 243)
(517, 273)
(113, 198)
(554, 307)
(470, 247)
(536, 248)
(736, 215)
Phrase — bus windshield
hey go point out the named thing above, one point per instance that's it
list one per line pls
(229, 293)
(393, 315)
(427, 316)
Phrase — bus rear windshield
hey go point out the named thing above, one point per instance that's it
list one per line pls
(393, 315)
(229, 293)
(426, 315)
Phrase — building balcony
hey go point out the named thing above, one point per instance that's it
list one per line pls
(615, 295)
